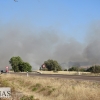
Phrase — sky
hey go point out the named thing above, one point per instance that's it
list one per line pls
(38, 30)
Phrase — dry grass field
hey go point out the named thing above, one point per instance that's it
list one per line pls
(70, 73)
(65, 72)
(51, 88)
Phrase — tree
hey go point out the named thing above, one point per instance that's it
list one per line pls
(65, 69)
(52, 65)
(18, 65)
(14, 61)
(77, 69)
(82, 69)
(73, 69)
(94, 69)
(24, 66)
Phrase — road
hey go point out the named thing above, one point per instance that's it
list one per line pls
(76, 77)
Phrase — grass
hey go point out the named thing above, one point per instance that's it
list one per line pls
(70, 73)
(28, 98)
(64, 72)
(39, 88)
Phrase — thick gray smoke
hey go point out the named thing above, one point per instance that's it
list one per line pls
(92, 50)
(36, 46)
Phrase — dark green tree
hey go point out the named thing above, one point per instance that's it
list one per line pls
(18, 65)
(82, 69)
(94, 69)
(73, 69)
(52, 65)
(65, 69)
(14, 61)
(77, 69)
(24, 67)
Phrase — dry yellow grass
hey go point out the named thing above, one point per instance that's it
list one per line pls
(70, 73)
(54, 88)
(64, 72)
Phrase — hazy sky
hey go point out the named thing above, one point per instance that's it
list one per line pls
(38, 30)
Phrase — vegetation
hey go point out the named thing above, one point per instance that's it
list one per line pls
(94, 69)
(24, 66)
(43, 68)
(15, 61)
(73, 69)
(53, 88)
(28, 98)
(65, 69)
(77, 69)
(52, 65)
(18, 65)
(82, 69)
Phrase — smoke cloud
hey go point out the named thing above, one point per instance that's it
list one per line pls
(35, 46)
(92, 50)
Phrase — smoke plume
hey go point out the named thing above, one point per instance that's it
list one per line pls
(35, 46)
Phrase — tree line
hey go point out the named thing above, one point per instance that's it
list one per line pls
(92, 69)
(18, 65)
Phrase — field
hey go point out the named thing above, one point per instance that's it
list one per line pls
(65, 72)
(39, 88)
(69, 73)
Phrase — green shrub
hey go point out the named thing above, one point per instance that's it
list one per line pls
(27, 98)
(36, 87)
(65, 69)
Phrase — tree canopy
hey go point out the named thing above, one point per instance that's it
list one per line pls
(25, 66)
(94, 69)
(18, 64)
(73, 69)
(77, 69)
(15, 61)
(52, 65)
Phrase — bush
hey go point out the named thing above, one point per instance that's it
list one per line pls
(65, 69)
(27, 98)
(77, 69)
(73, 69)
